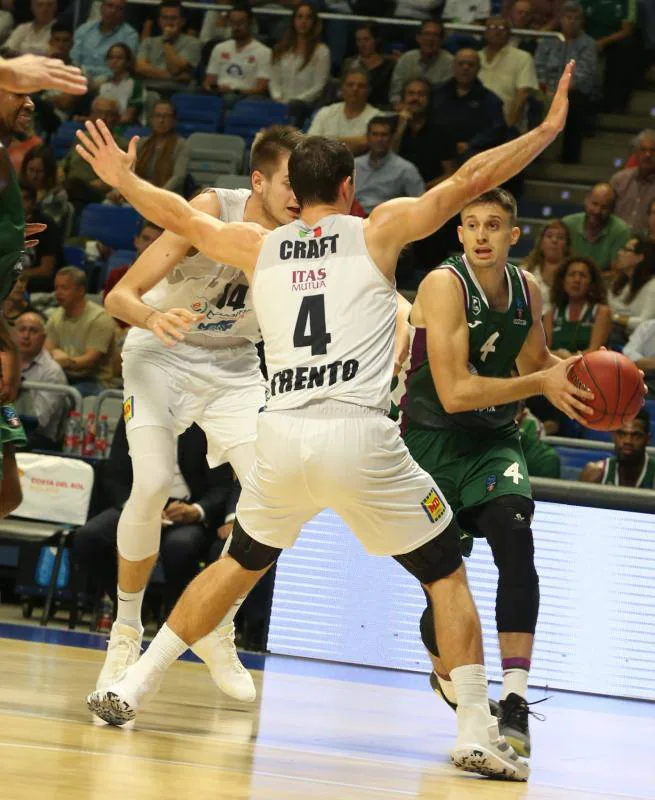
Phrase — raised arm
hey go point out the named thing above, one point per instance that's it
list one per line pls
(442, 303)
(237, 243)
(395, 224)
(31, 73)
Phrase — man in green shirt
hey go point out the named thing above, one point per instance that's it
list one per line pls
(596, 232)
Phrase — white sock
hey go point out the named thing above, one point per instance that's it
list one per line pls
(164, 650)
(470, 682)
(129, 608)
(516, 681)
(448, 688)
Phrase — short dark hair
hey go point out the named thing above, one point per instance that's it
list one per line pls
(60, 27)
(172, 4)
(381, 119)
(597, 290)
(317, 168)
(272, 143)
(432, 21)
(147, 224)
(245, 9)
(499, 197)
(417, 79)
(29, 190)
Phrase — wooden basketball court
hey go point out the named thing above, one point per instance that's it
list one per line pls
(316, 732)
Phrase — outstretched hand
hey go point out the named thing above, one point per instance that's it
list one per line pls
(30, 73)
(32, 229)
(98, 148)
(559, 108)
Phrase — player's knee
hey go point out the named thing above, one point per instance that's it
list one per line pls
(428, 632)
(436, 559)
(152, 483)
(249, 553)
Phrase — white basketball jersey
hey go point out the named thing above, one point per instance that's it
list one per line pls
(327, 315)
(201, 285)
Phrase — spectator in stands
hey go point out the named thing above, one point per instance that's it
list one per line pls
(551, 57)
(94, 38)
(551, 250)
(417, 140)
(34, 37)
(379, 65)
(215, 26)
(541, 458)
(597, 232)
(430, 61)
(163, 157)
(16, 302)
(544, 13)
(466, 12)
(507, 72)
(168, 62)
(632, 295)
(41, 261)
(81, 335)
(61, 42)
(144, 238)
(75, 175)
(612, 25)
(52, 107)
(39, 170)
(121, 86)
(37, 364)
(418, 9)
(630, 466)
(241, 66)
(520, 16)
(635, 187)
(194, 518)
(641, 349)
(300, 65)
(465, 110)
(381, 174)
(580, 319)
(348, 120)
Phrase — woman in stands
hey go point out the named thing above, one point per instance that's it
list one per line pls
(300, 65)
(122, 86)
(379, 66)
(549, 253)
(579, 319)
(632, 295)
(39, 170)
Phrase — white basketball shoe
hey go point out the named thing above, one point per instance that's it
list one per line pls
(119, 702)
(122, 651)
(219, 653)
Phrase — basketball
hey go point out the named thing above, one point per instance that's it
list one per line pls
(617, 385)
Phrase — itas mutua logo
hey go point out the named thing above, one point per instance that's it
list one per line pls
(519, 318)
(303, 279)
(433, 506)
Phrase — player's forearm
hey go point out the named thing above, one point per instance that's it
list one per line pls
(164, 208)
(477, 392)
(647, 364)
(125, 303)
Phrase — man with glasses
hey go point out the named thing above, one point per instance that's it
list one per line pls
(169, 61)
(430, 61)
(93, 39)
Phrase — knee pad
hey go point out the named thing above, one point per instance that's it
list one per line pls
(250, 554)
(435, 559)
(428, 635)
(505, 522)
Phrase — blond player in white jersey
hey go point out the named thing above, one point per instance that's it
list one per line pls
(324, 295)
(212, 378)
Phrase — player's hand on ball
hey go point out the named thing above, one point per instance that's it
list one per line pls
(565, 395)
(98, 148)
(170, 326)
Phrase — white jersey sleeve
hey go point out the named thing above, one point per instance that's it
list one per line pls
(201, 285)
(327, 315)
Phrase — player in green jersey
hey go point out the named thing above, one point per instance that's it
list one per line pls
(630, 466)
(477, 318)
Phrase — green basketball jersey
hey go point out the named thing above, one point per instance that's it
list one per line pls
(646, 478)
(12, 226)
(495, 340)
(573, 336)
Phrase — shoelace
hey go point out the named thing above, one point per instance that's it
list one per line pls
(125, 650)
(234, 658)
(512, 713)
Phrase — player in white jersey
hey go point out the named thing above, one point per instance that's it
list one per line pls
(324, 295)
(211, 378)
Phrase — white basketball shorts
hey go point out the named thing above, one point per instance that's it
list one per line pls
(221, 389)
(347, 458)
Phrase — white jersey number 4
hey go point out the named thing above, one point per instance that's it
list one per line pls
(513, 472)
(310, 330)
(489, 346)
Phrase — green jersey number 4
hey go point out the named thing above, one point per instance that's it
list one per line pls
(489, 346)
(513, 472)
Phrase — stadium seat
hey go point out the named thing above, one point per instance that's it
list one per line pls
(197, 112)
(115, 226)
(136, 130)
(74, 256)
(573, 459)
(537, 209)
(250, 116)
(213, 154)
(65, 138)
(233, 182)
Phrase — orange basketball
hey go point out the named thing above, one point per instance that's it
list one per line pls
(617, 385)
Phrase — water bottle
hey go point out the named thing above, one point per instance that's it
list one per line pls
(89, 445)
(73, 434)
(102, 438)
(105, 615)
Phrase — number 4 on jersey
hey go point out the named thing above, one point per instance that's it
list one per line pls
(513, 472)
(489, 346)
(310, 330)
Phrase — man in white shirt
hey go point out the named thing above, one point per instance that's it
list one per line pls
(507, 71)
(34, 37)
(347, 121)
(239, 67)
(430, 61)
(641, 347)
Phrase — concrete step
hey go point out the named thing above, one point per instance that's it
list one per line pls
(625, 123)
(588, 174)
(596, 152)
(552, 192)
(642, 102)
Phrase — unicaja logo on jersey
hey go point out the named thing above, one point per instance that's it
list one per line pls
(519, 319)
(475, 305)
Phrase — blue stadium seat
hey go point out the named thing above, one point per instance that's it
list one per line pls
(136, 130)
(197, 112)
(115, 226)
(74, 256)
(537, 209)
(521, 248)
(598, 436)
(117, 259)
(574, 459)
(65, 138)
(250, 116)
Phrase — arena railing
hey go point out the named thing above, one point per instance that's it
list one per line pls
(57, 388)
(554, 490)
